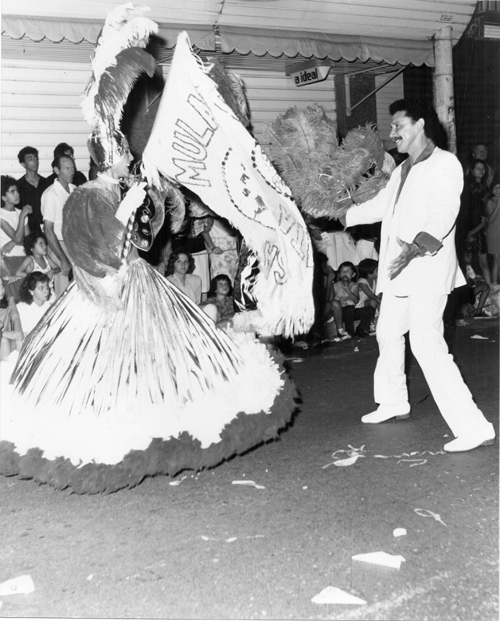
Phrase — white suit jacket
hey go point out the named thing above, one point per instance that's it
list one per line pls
(429, 202)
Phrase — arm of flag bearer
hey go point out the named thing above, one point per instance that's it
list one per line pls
(198, 142)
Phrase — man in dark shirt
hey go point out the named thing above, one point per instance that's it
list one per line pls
(31, 186)
(63, 148)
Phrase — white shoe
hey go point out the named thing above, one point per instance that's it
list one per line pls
(472, 440)
(383, 414)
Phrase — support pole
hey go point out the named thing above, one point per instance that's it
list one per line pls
(444, 99)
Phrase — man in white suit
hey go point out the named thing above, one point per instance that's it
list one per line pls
(418, 268)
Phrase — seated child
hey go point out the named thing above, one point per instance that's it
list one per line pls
(368, 272)
(219, 304)
(34, 297)
(478, 290)
(11, 334)
(35, 247)
(344, 306)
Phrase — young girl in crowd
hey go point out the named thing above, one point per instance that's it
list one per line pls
(368, 272)
(13, 228)
(220, 295)
(477, 290)
(35, 247)
(11, 333)
(345, 308)
(34, 297)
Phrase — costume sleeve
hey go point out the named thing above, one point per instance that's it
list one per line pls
(93, 236)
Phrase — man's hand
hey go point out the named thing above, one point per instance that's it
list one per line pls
(407, 254)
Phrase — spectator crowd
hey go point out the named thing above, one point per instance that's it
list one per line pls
(206, 258)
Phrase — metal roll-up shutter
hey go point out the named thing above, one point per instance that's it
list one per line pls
(385, 96)
(41, 108)
(271, 93)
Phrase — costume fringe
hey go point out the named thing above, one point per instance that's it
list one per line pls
(160, 458)
(81, 355)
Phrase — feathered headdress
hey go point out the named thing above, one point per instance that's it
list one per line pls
(119, 59)
(326, 177)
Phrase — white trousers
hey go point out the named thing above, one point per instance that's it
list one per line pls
(422, 315)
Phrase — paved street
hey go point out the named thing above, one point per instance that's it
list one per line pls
(208, 549)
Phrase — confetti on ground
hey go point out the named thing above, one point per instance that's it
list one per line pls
(479, 338)
(351, 455)
(249, 484)
(415, 458)
(399, 532)
(333, 595)
(427, 513)
(380, 558)
(295, 359)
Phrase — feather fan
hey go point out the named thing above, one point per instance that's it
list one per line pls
(325, 177)
(117, 63)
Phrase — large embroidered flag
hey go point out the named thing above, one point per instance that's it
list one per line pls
(198, 142)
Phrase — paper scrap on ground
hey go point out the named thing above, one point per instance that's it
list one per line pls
(411, 458)
(21, 584)
(350, 456)
(478, 337)
(427, 513)
(333, 595)
(179, 481)
(380, 558)
(249, 483)
(399, 532)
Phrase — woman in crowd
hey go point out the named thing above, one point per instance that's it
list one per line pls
(471, 222)
(179, 272)
(493, 230)
(34, 295)
(220, 296)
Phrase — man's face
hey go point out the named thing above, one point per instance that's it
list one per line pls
(31, 162)
(405, 132)
(66, 171)
(480, 152)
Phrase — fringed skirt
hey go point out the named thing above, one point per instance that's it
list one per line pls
(104, 395)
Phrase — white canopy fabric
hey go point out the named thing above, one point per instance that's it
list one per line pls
(78, 30)
(387, 31)
(325, 45)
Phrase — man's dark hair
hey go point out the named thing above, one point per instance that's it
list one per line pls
(61, 149)
(56, 162)
(420, 109)
(21, 156)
